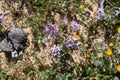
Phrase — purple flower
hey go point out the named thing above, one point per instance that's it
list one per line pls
(75, 26)
(51, 28)
(71, 43)
(118, 51)
(56, 50)
(64, 21)
(104, 46)
(1, 17)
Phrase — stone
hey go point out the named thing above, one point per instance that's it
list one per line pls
(5, 46)
(13, 40)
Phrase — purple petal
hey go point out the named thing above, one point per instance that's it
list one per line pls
(51, 28)
(75, 26)
(1, 16)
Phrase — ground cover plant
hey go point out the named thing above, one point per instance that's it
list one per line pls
(67, 39)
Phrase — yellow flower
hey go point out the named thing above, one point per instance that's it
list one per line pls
(81, 7)
(76, 36)
(88, 55)
(20, 22)
(109, 52)
(38, 41)
(111, 44)
(42, 78)
(61, 46)
(119, 30)
(2, 30)
(118, 67)
(90, 3)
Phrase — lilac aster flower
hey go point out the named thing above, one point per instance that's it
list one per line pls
(64, 21)
(75, 26)
(71, 43)
(118, 51)
(56, 50)
(1, 17)
(104, 46)
(51, 28)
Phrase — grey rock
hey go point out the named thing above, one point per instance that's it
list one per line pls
(13, 41)
(6, 46)
(17, 35)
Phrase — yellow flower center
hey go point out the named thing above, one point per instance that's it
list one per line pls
(118, 67)
(111, 44)
(119, 30)
(109, 52)
(76, 36)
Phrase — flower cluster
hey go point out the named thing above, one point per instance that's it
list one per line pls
(64, 21)
(56, 50)
(51, 28)
(75, 26)
(71, 43)
(1, 17)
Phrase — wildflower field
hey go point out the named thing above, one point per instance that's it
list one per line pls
(66, 40)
